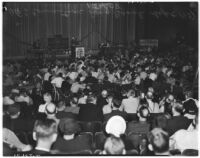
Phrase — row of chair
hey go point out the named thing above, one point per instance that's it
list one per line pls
(96, 140)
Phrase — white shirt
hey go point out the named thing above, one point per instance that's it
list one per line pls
(82, 100)
(107, 109)
(75, 87)
(46, 76)
(129, 105)
(57, 81)
(153, 76)
(137, 80)
(153, 107)
(184, 139)
(42, 108)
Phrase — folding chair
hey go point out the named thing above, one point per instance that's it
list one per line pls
(190, 152)
(99, 139)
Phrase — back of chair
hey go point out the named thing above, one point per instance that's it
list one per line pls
(91, 126)
(132, 152)
(190, 152)
(97, 152)
(99, 140)
(137, 139)
(132, 117)
(88, 136)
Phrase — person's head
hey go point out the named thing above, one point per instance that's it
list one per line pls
(161, 121)
(188, 94)
(150, 89)
(14, 111)
(69, 126)
(170, 98)
(177, 109)
(47, 97)
(45, 132)
(116, 103)
(190, 107)
(61, 105)
(91, 99)
(114, 146)
(74, 101)
(50, 109)
(149, 95)
(131, 93)
(104, 93)
(38, 85)
(143, 113)
(158, 141)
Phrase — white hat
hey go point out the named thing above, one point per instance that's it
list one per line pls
(7, 101)
(116, 125)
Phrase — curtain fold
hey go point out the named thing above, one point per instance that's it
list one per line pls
(25, 22)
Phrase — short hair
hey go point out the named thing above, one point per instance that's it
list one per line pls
(47, 94)
(131, 92)
(144, 112)
(116, 102)
(161, 121)
(114, 145)
(159, 139)
(178, 107)
(91, 98)
(69, 126)
(45, 128)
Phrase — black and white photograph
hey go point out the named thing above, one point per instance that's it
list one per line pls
(100, 78)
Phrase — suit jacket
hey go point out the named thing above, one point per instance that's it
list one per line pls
(73, 145)
(176, 123)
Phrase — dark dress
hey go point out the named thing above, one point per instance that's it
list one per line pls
(90, 112)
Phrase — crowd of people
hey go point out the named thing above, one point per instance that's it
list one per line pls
(144, 104)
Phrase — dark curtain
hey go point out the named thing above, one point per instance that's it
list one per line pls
(91, 23)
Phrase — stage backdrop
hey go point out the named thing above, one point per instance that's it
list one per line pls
(92, 23)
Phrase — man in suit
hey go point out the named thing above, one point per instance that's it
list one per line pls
(114, 108)
(45, 134)
(14, 121)
(142, 126)
(178, 121)
(90, 111)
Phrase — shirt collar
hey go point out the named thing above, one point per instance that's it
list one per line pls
(42, 149)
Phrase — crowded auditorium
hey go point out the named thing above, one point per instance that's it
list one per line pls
(100, 78)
